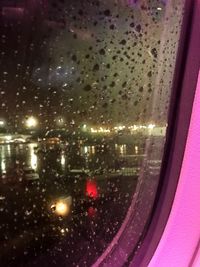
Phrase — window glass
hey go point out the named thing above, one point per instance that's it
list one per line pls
(84, 89)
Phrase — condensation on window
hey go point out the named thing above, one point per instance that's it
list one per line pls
(85, 89)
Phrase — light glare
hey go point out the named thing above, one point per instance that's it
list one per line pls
(61, 208)
(31, 122)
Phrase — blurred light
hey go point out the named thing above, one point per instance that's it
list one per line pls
(122, 149)
(133, 127)
(85, 149)
(92, 212)
(93, 130)
(63, 231)
(8, 149)
(159, 8)
(31, 122)
(33, 157)
(20, 140)
(91, 189)
(60, 121)
(60, 208)
(2, 122)
(136, 149)
(93, 149)
(119, 128)
(8, 138)
(3, 166)
(100, 130)
(151, 126)
(84, 127)
(63, 160)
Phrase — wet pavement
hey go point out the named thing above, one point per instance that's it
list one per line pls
(32, 234)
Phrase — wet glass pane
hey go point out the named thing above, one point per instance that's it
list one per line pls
(84, 89)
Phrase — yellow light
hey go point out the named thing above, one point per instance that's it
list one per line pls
(100, 130)
(33, 157)
(31, 122)
(60, 208)
(93, 130)
(63, 160)
(151, 126)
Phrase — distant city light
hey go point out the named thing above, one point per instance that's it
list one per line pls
(151, 126)
(133, 127)
(119, 128)
(31, 122)
(100, 130)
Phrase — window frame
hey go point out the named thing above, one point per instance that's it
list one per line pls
(183, 87)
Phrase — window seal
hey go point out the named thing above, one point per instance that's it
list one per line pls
(184, 87)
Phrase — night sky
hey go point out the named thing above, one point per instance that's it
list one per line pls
(100, 62)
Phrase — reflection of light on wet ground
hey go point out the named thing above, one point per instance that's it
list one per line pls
(33, 156)
(85, 149)
(8, 148)
(93, 149)
(122, 149)
(3, 165)
(3, 158)
(63, 160)
(88, 150)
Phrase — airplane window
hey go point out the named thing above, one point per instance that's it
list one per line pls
(85, 89)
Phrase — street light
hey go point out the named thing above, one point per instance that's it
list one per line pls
(31, 122)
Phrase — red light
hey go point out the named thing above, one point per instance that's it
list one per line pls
(92, 212)
(91, 189)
